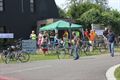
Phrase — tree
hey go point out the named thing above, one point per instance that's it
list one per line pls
(111, 18)
(88, 12)
(91, 16)
(62, 13)
(107, 18)
(76, 11)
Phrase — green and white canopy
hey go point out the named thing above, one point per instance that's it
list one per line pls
(60, 25)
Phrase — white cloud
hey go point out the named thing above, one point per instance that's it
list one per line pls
(115, 4)
(61, 3)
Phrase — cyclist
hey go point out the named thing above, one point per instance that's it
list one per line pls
(75, 46)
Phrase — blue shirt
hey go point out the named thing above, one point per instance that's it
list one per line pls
(111, 37)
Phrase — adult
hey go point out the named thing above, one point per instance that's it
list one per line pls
(95, 37)
(65, 39)
(77, 33)
(40, 39)
(75, 46)
(33, 35)
(105, 33)
(65, 34)
(111, 40)
(86, 33)
(56, 40)
(91, 39)
(51, 37)
(45, 43)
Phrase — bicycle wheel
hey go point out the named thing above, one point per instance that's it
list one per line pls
(51, 51)
(24, 57)
(8, 58)
(61, 53)
(84, 50)
(102, 48)
(3, 55)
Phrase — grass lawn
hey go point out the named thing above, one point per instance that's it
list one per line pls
(117, 49)
(117, 73)
(37, 57)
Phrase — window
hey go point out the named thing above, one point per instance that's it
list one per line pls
(1, 5)
(32, 5)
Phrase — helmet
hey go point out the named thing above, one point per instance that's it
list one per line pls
(13, 47)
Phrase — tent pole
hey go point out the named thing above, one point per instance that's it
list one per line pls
(70, 31)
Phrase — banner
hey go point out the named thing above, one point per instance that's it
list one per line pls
(29, 46)
(6, 35)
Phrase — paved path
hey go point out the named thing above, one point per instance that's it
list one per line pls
(86, 68)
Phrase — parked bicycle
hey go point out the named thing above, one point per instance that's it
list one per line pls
(15, 53)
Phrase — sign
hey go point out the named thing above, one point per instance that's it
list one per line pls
(99, 32)
(97, 26)
(29, 45)
(6, 35)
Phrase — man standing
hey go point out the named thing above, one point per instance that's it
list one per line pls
(33, 35)
(111, 39)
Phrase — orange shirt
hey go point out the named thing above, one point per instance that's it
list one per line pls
(92, 36)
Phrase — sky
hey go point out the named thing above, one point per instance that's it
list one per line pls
(114, 4)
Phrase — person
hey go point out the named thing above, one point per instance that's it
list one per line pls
(40, 39)
(45, 34)
(56, 40)
(95, 37)
(94, 33)
(33, 35)
(65, 34)
(105, 33)
(111, 40)
(86, 33)
(75, 46)
(45, 44)
(91, 39)
(77, 33)
(51, 37)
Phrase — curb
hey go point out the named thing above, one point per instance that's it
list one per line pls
(110, 72)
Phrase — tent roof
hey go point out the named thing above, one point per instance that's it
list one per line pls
(60, 25)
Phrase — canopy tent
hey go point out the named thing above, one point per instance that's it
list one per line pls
(60, 25)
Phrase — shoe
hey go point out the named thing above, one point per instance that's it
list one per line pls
(76, 58)
(112, 55)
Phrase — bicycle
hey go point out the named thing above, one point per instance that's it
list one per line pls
(84, 47)
(14, 53)
(57, 49)
(15, 56)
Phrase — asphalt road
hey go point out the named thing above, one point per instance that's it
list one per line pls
(86, 68)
